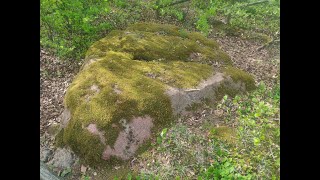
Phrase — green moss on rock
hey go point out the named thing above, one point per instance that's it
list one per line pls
(126, 75)
(160, 42)
(238, 75)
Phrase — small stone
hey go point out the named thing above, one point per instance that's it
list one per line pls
(45, 154)
(94, 173)
(83, 169)
(62, 158)
(218, 112)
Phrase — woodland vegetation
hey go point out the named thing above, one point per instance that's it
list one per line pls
(247, 143)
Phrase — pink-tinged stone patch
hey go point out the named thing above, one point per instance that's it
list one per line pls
(137, 131)
(92, 128)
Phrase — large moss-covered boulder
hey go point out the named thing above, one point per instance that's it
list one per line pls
(135, 82)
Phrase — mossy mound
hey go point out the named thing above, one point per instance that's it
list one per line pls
(127, 88)
(157, 42)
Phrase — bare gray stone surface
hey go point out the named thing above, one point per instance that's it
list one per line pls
(45, 154)
(65, 117)
(63, 158)
(46, 174)
(181, 98)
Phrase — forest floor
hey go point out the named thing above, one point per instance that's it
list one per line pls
(56, 75)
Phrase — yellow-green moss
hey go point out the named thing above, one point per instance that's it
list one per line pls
(239, 75)
(59, 139)
(225, 89)
(131, 70)
(224, 133)
(140, 95)
(147, 41)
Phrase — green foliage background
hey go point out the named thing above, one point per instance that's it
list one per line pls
(69, 27)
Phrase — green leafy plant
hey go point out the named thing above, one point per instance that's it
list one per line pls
(70, 26)
(248, 14)
(65, 172)
(162, 136)
(257, 153)
(85, 177)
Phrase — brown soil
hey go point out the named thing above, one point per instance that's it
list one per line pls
(263, 64)
(55, 77)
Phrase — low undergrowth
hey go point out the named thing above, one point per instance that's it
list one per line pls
(245, 146)
(69, 27)
(256, 155)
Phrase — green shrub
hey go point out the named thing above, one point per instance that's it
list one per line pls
(70, 26)
(263, 16)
